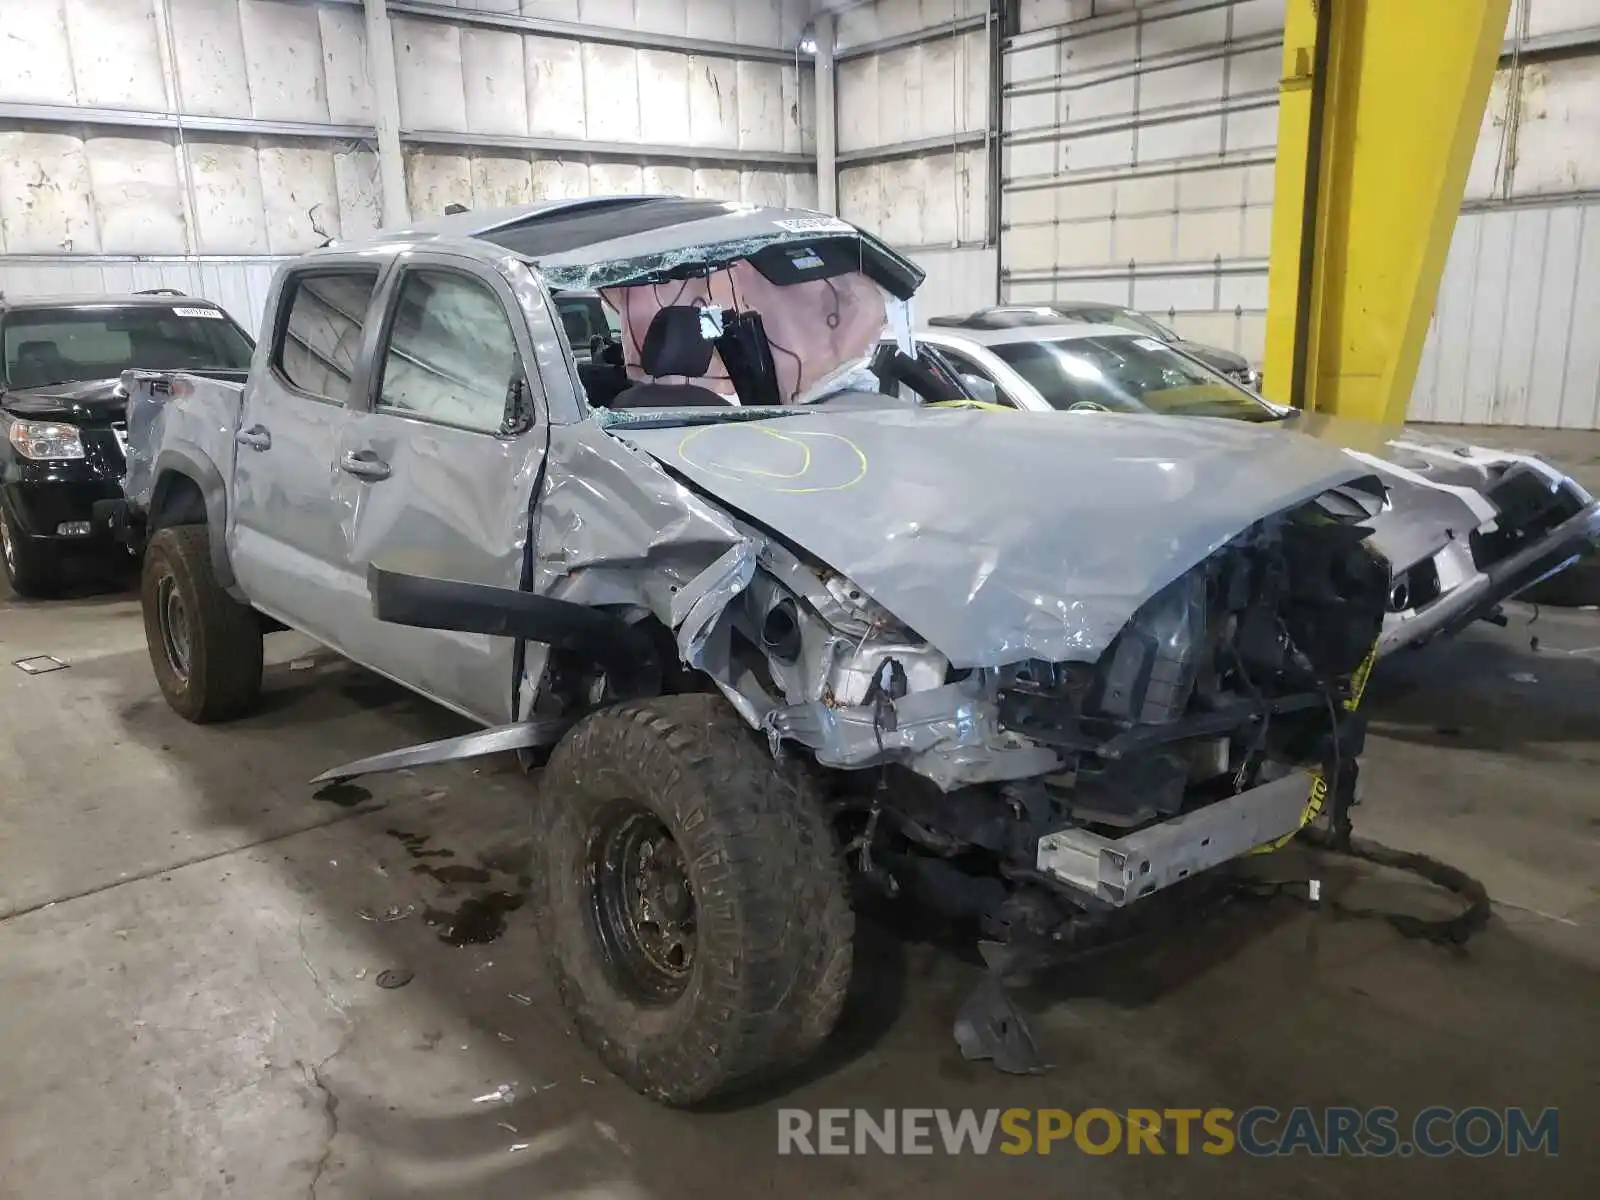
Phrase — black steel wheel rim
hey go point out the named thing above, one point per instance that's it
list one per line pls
(641, 903)
(173, 618)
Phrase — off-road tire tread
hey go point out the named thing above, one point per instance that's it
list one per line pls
(225, 636)
(772, 972)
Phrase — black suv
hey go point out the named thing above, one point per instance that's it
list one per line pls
(62, 410)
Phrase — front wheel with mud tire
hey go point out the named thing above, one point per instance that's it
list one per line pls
(695, 916)
(205, 646)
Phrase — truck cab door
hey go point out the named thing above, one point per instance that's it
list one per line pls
(439, 462)
(284, 537)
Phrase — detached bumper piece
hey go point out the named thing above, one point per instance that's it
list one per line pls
(1118, 871)
(1517, 572)
(524, 735)
(990, 1026)
(424, 602)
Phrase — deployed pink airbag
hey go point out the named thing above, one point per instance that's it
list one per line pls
(814, 328)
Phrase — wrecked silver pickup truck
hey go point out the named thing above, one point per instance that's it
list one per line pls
(720, 574)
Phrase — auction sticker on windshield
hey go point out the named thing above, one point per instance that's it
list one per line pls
(815, 225)
(1148, 344)
(210, 314)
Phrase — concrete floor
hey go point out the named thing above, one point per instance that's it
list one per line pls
(188, 981)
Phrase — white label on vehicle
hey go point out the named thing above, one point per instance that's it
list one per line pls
(815, 225)
(1148, 344)
(209, 314)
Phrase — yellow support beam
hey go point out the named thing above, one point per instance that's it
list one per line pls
(1381, 103)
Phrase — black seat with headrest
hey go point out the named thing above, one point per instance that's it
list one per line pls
(39, 363)
(674, 345)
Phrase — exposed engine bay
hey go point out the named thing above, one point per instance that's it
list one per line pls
(1237, 674)
(1005, 742)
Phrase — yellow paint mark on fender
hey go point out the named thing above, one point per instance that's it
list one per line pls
(783, 482)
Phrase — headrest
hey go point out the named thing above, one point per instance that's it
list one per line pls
(674, 344)
(38, 350)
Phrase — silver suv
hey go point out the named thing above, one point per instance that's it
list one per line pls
(771, 625)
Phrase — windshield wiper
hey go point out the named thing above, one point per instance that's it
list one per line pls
(659, 418)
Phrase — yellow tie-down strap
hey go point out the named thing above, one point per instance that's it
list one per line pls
(1319, 783)
(981, 405)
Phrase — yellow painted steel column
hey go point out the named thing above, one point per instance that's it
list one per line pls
(1377, 124)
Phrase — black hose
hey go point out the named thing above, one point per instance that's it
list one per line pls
(1448, 931)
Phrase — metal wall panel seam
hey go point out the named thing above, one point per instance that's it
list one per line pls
(1561, 409)
(1166, 114)
(913, 149)
(1572, 320)
(1538, 316)
(1083, 27)
(1582, 198)
(1128, 68)
(1176, 270)
(1505, 320)
(1164, 166)
(1472, 314)
(916, 37)
(128, 118)
(51, 114)
(573, 148)
(573, 31)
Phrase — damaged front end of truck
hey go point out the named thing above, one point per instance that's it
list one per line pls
(1046, 670)
(1032, 716)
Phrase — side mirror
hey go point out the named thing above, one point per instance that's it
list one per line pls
(981, 389)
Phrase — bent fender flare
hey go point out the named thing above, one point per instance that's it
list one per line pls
(629, 656)
(188, 460)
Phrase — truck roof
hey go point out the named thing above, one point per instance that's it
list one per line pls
(649, 235)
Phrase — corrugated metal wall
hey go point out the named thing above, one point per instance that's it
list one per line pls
(958, 281)
(240, 131)
(1515, 338)
(915, 130)
(1138, 156)
(1138, 152)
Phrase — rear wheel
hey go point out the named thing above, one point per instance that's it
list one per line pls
(29, 568)
(695, 916)
(204, 645)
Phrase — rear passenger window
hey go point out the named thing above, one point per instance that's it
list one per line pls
(321, 336)
(451, 356)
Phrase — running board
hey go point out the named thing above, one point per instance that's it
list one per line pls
(524, 735)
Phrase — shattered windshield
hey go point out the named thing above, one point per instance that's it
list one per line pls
(1129, 374)
(66, 345)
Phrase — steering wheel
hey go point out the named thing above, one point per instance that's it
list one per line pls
(1086, 406)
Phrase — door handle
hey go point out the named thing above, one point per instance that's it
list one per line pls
(364, 464)
(256, 437)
